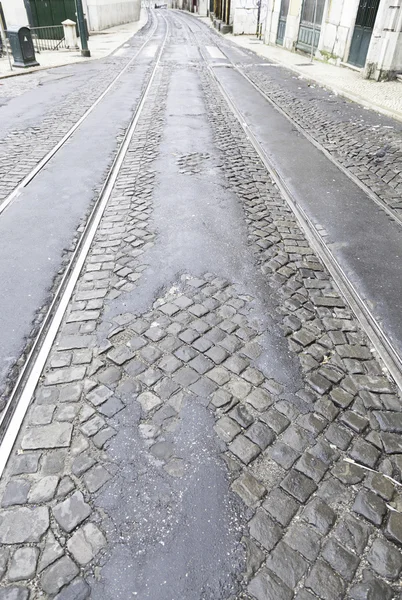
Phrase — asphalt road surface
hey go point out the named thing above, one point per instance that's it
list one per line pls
(212, 422)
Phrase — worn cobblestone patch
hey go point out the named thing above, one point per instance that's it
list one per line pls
(23, 149)
(59, 464)
(334, 413)
(317, 468)
(372, 153)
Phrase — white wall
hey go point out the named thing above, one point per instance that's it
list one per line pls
(14, 12)
(102, 14)
(203, 7)
(384, 57)
(292, 24)
(271, 24)
(244, 13)
(385, 51)
(337, 29)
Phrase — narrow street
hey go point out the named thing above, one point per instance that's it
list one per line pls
(201, 342)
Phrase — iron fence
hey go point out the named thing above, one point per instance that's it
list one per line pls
(48, 38)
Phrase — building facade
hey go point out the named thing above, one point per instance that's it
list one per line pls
(239, 16)
(222, 15)
(249, 16)
(15, 12)
(365, 34)
(200, 7)
(100, 14)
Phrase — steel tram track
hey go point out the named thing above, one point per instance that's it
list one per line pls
(43, 162)
(380, 341)
(19, 400)
(372, 195)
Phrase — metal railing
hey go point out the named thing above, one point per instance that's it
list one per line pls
(48, 38)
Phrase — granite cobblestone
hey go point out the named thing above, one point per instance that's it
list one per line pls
(318, 468)
(371, 153)
(340, 374)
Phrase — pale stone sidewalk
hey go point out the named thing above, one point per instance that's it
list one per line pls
(101, 44)
(384, 97)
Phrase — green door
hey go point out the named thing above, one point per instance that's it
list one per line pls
(51, 12)
(283, 15)
(365, 19)
(310, 25)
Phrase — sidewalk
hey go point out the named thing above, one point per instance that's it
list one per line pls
(384, 97)
(101, 44)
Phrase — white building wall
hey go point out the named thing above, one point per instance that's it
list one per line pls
(245, 15)
(292, 24)
(271, 28)
(14, 12)
(337, 30)
(203, 8)
(384, 57)
(102, 14)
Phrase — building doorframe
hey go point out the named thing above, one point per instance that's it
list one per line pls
(310, 31)
(283, 15)
(51, 12)
(364, 25)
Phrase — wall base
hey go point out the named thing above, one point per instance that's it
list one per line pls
(225, 28)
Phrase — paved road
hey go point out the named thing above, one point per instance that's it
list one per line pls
(39, 228)
(212, 422)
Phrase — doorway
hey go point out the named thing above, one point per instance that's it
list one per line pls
(365, 19)
(310, 25)
(46, 13)
(283, 15)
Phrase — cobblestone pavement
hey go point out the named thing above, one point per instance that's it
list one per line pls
(367, 144)
(23, 146)
(211, 423)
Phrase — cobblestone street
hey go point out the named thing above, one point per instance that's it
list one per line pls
(212, 421)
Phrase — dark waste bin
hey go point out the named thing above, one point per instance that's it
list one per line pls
(22, 47)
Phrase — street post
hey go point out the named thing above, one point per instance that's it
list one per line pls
(82, 29)
(258, 17)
